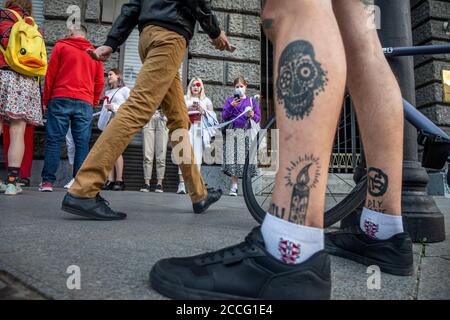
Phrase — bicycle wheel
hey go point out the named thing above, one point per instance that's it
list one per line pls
(257, 190)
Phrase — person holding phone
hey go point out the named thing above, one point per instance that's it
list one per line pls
(234, 156)
(203, 118)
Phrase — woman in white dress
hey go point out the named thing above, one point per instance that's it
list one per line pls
(203, 119)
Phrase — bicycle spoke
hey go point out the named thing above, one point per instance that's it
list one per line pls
(335, 200)
(350, 185)
(271, 184)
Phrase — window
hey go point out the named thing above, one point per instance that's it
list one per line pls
(130, 59)
(38, 12)
(111, 9)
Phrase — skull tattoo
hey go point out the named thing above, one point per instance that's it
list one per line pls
(300, 79)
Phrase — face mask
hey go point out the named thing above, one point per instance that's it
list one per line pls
(240, 92)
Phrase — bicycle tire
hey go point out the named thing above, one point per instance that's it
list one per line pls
(354, 199)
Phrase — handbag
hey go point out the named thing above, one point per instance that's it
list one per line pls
(105, 114)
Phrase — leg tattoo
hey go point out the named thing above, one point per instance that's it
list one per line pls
(300, 79)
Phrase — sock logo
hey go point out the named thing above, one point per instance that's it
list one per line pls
(371, 228)
(290, 251)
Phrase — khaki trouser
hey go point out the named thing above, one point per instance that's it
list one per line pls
(158, 84)
(156, 137)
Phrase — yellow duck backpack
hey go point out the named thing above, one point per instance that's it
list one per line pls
(26, 53)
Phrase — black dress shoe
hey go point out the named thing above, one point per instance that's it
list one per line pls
(119, 186)
(95, 209)
(394, 255)
(213, 196)
(245, 271)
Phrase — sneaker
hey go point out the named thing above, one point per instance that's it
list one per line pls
(2, 187)
(119, 186)
(245, 271)
(234, 192)
(69, 185)
(181, 188)
(23, 182)
(109, 186)
(394, 255)
(13, 190)
(146, 188)
(159, 189)
(46, 187)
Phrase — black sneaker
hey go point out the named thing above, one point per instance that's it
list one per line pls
(213, 196)
(159, 189)
(394, 256)
(119, 186)
(23, 182)
(95, 209)
(146, 188)
(245, 271)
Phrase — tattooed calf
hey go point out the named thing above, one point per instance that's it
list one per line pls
(300, 79)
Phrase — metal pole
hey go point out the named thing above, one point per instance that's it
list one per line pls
(422, 218)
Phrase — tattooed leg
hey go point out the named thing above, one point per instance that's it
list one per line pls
(310, 73)
(378, 104)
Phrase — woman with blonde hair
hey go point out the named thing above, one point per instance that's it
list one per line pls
(203, 119)
(20, 102)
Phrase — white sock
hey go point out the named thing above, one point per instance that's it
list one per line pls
(290, 242)
(234, 186)
(380, 226)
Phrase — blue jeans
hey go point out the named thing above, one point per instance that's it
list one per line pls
(62, 113)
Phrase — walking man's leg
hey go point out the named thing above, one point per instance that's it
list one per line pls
(174, 108)
(378, 102)
(285, 259)
(162, 52)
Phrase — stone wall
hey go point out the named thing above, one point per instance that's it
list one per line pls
(428, 19)
(55, 13)
(240, 21)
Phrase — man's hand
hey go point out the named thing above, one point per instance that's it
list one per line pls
(101, 53)
(222, 43)
(251, 114)
(45, 108)
(109, 107)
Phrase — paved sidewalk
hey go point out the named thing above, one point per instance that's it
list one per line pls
(39, 242)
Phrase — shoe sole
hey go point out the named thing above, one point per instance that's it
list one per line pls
(87, 215)
(384, 267)
(159, 191)
(45, 190)
(181, 192)
(177, 292)
(12, 194)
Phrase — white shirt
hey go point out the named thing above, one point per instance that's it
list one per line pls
(119, 96)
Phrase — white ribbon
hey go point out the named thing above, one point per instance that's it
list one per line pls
(223, 125)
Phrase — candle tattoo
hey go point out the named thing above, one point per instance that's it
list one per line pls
(306, 180)
(300, 197)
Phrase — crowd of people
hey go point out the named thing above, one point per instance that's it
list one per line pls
(73, 87)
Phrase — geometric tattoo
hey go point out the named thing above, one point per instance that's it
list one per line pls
(378, 182)
(307, 171)
(300, 79)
